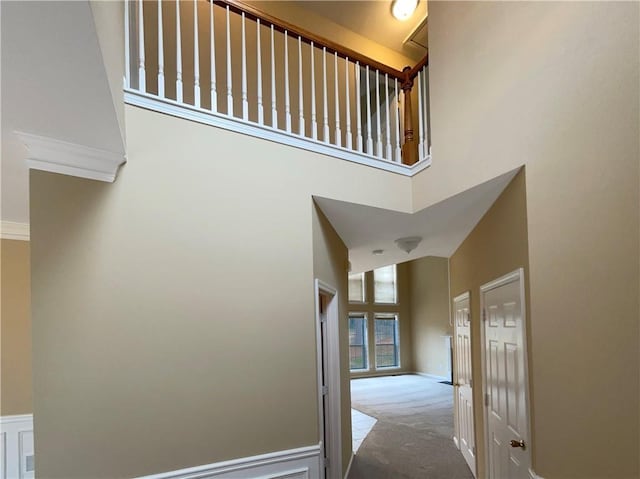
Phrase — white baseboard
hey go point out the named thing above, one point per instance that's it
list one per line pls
(346, 474)
(301, 463)
(433, 376)
(533, 475)
(455, 441)
(16, 447)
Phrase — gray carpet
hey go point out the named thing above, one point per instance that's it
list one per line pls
(413, 436)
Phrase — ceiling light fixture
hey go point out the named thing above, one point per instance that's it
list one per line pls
(409, 243)
(377, 252)
(403, 9)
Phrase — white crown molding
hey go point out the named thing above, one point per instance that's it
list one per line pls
(56, 156)
(14, 231)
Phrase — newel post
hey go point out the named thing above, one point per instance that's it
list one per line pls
(409, 148)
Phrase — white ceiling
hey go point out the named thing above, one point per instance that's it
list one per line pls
(373, 20)
(442, 226)
(54, 84)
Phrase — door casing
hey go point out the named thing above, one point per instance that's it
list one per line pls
(506, 279)
(334, 448)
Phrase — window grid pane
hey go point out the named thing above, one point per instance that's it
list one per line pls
(357, 342)
(356, 288)
(384, 284)
(386, 333)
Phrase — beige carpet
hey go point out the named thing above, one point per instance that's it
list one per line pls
(413, 436)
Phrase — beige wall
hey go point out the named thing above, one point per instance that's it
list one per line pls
(15, 330)
(108, 18)
(554, 86)
(404, 322)
(429, 312)
(330, 265)
(495, 247)
(173, 309)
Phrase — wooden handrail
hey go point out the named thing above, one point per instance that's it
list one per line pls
(413, 72)
(308, 37)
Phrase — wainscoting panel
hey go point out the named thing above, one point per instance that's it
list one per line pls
(301, 463)
(16, 447)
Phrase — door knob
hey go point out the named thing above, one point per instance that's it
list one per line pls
(519, 443)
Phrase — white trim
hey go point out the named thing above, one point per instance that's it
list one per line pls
(293, 463)
(16, 447)
(56, 156)
(518, 274)
(533, 475)
(334, 445)
(18, 418)
(432, 376)
(14, 231)
(346, 474)
(207, 117)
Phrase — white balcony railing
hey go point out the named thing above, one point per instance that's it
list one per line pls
(227, 64)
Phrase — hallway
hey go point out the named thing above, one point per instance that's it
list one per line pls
(413, 435)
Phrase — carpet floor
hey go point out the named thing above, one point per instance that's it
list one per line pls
(413, 436)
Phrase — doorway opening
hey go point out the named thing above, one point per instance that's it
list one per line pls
(328, 360)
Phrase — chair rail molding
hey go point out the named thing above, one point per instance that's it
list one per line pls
(300, 463)
(57, 156)
(14, 231)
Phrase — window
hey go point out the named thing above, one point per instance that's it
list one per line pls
(384, 285)
(357, 341)
(356, 288)
(387, 344)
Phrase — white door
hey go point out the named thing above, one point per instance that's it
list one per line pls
(506, 396)
(462, 380)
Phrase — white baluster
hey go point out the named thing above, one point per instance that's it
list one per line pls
(160, 53)
(142, 81)
(127, 47)
(388, 114)
(212, 49)
(229, 75)
(338, 131)
(397, 123)
(245, 98)
(325, 112)
(369, 139)
(274, 111)
(287, 100)
(378, 130)
(425, 100)
(314, 123)
(300, 90)
(420, 121)
(259, 56)
(358, 113)
(196, 57)
(348, 139)
(178, 55)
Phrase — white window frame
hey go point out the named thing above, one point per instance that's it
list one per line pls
(365, 316)
(364, 288)
(395, 286)
(375, 345)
